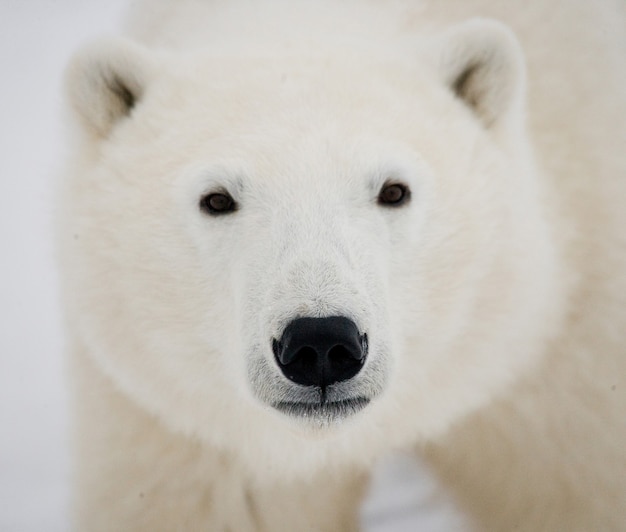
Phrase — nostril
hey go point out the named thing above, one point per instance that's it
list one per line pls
(301, 366)
(307, 355)
(338, 352)
(343, 363)
(340, 355)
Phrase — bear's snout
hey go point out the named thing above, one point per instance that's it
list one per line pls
(320, 351)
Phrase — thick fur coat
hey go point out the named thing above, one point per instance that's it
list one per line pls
(492, 294)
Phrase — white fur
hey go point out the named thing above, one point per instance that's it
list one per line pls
(493, 302)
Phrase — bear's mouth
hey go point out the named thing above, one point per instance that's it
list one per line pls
(323, 410)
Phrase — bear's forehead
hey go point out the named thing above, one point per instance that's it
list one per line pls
(290, 99)
(295, 117)
(292, 84)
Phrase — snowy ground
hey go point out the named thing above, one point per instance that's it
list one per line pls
(36, 40)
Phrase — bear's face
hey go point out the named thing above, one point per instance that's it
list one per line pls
(305, 252)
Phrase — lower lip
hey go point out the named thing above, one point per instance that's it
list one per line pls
(334, 410)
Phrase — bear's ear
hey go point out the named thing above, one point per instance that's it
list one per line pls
(105, 81)
(482, 63)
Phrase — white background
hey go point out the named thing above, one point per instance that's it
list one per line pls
(37, 38)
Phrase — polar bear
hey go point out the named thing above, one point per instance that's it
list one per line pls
(297, 235)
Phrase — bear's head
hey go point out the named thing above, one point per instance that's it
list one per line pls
(291, 254)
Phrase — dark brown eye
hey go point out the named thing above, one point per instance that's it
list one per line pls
(393, 194)
(218, 203)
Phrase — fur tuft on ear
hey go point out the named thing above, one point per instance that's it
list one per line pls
(105, 81)
(482, 64)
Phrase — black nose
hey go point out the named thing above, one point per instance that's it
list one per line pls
(320, 351)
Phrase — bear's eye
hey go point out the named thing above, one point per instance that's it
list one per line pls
(393, 195)
(218, 203)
